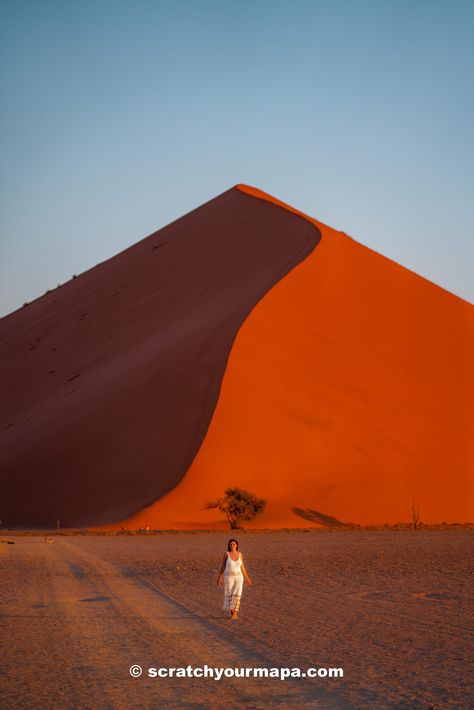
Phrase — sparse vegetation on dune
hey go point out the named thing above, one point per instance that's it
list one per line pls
(238, 505)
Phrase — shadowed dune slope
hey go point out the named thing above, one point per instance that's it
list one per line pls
(109, 382)
(348, 395)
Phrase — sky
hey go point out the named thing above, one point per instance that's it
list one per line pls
(118, 117)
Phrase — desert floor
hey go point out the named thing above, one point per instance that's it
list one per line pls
(393, 609)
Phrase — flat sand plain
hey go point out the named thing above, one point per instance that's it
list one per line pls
(393, 609)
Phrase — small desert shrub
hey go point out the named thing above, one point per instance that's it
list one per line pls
(238, 505)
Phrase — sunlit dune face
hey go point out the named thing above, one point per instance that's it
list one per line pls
(346, 399)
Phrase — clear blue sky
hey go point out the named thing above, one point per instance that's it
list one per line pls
(118, 117)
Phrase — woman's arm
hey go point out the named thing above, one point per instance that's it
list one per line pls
(244, 571)
(221, 571)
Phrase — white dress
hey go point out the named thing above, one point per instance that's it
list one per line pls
(233, 583)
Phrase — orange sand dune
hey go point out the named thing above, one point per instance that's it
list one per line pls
(348, 394)
(109, 382)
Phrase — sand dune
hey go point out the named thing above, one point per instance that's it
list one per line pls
(226, 350)
(348, 394)
(112, 379)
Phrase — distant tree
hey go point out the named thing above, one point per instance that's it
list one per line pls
(238, 505)
(415, 516)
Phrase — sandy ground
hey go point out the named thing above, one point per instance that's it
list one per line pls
(394, 609)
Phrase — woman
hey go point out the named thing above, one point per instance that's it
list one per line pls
(234, 571)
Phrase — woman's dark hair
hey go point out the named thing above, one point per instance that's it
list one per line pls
(232, 539)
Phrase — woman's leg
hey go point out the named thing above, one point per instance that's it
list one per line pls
(227, 591)
(237, 596)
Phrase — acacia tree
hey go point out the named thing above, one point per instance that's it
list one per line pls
(238, 505)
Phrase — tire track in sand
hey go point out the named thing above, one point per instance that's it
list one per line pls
(109, 621)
